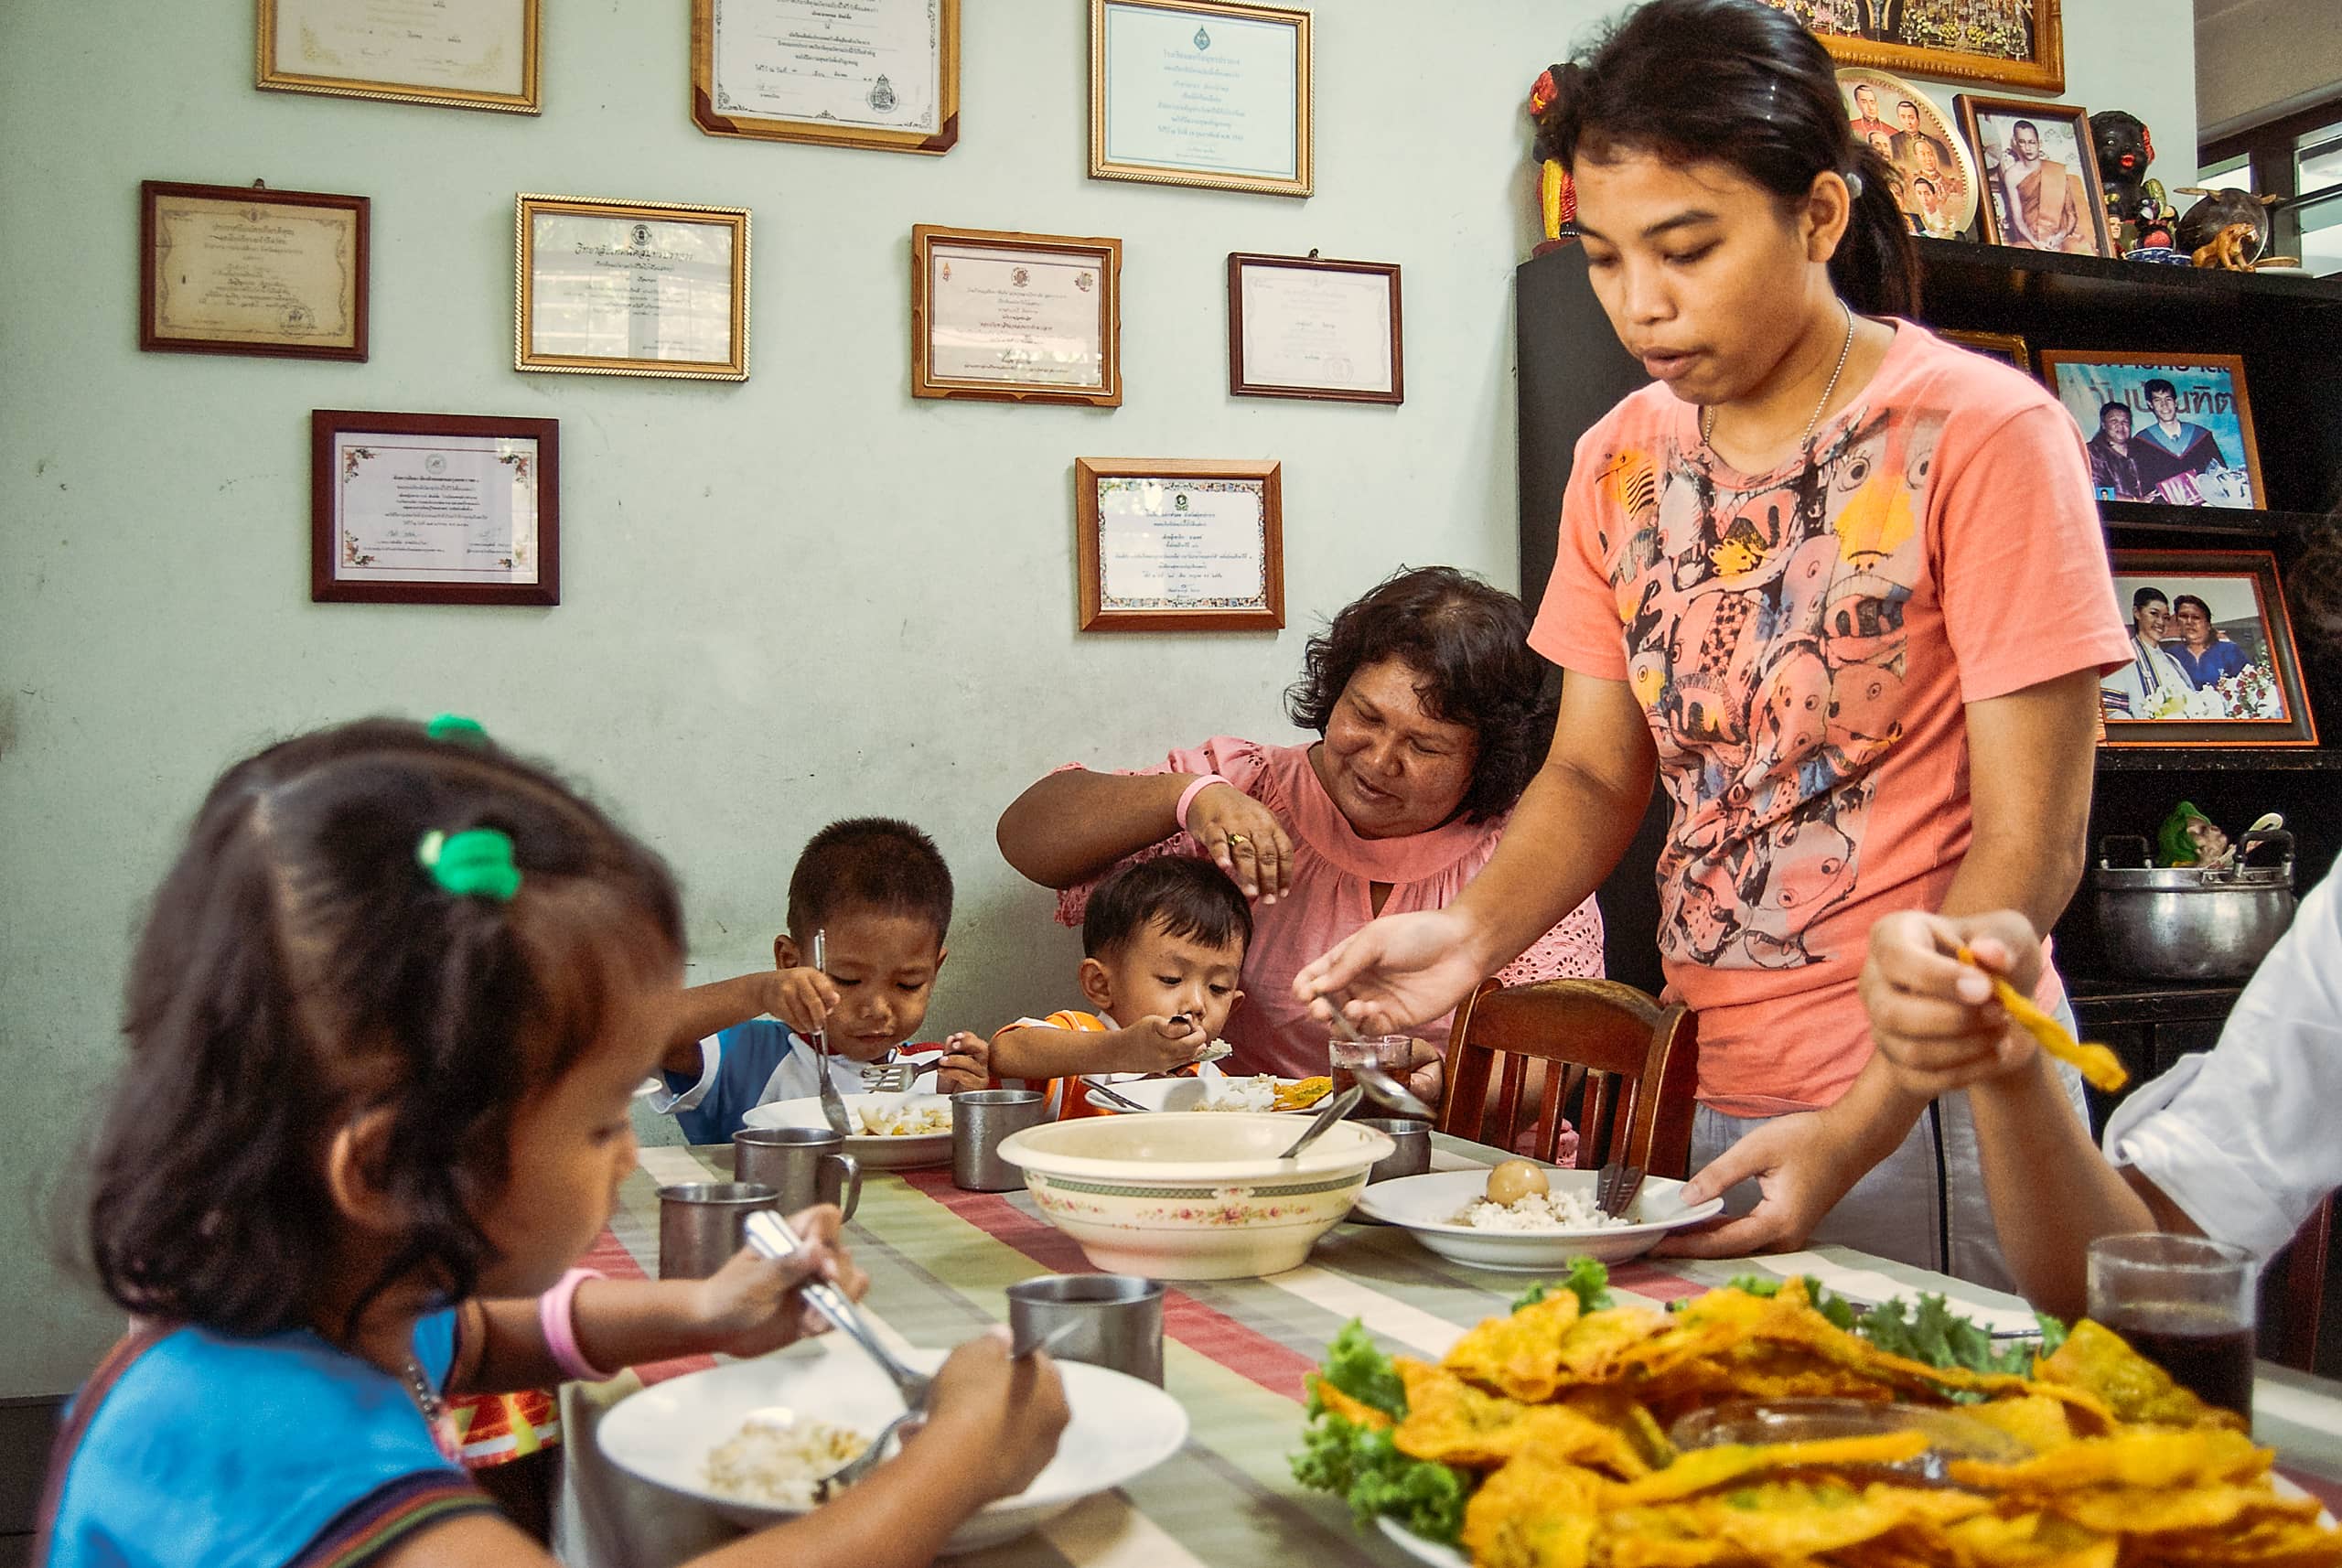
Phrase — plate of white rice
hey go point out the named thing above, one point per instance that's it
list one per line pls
(891, 1132)
(1449, 1212)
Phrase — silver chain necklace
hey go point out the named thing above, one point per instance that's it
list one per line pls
(1708, 413)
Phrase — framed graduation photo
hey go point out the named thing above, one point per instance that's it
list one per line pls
(2172, 428)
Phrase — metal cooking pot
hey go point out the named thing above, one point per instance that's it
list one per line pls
(2190, 922)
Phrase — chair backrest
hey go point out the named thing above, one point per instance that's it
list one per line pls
(1637, 1060)
(2295, 1282)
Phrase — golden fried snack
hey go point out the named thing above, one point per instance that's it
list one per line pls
(1304, 1091)
(1520, 1355)
(1534, 1513)
(2099, 1362)
(2099, 1067)
(1357, 1411)
(1451, 1421)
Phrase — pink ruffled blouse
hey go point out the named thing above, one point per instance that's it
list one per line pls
(1332, 896)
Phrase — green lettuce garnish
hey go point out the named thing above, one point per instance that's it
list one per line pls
(1362, 1465)
(1931, 1334)
(1588, 1279)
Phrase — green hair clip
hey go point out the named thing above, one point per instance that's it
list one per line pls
(456, 728)
(475, 864)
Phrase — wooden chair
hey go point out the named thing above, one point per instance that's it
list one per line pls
(1636, 1061)
(2294, 1283)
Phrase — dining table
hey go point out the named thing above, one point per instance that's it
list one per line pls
(1235, 1355)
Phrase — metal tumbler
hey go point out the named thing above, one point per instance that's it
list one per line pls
(1117, 1319)
(700, 1224)
(805, 1166)
(980, 1120)
(1413, 1154)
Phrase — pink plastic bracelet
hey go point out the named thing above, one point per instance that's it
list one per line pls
(556, 1314)
(1196, 786)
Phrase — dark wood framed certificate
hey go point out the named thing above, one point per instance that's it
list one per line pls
(471, 54)
(434, 509)
(1299, 327)
(1174, 544)
(226, 269)
(627, 288)
(1201, 92)
(845, 74)
(1026, 317)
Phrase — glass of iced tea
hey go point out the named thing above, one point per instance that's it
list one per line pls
(1391, 1051)
(2186, 1303)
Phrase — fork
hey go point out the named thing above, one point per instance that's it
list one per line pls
(833, 1104)
(891, 1078)
(1615, 1187)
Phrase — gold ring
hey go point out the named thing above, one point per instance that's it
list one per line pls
(1235, 838)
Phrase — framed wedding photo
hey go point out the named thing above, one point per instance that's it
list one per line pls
(1300, 327)
(434, 509)
(1169, 545)
(2040, 175)
(226, 269)
(882, 74)
(2017, 43)
(630, 288)
(2212, 658)
(1201, 92)
(473, 54)
(1015, 317)
(2171, 428)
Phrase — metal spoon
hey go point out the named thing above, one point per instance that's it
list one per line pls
(768, 1233)
(1334, 1110)
(1124, 1100)
(833, 1105)
(1368, 1071)
(870, 1458)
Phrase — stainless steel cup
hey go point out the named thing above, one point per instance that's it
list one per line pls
(1117, 1319)
(805, 1164)
(980, 1120)
(1413, 1155)
(700, 1224)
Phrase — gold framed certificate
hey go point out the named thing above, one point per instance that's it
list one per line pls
(849, 73)
(1173, 545)
(626, 288)
(434, 509)
(1201, 92)
(1299, 327)
(1026, 317)
(460, 54)
(225, 269)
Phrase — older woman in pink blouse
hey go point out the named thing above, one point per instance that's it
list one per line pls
(1423, 694)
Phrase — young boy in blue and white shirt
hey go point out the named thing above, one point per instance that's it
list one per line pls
(880, 892)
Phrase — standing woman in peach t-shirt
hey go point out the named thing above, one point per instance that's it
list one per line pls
(1838, 584)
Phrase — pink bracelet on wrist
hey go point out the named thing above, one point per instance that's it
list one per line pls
(1196, 786)
(556, 1314)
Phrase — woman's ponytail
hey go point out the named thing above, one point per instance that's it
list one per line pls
(1876, 269)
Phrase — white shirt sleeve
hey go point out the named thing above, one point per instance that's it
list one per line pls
(711, 1058)
(2241, 1137)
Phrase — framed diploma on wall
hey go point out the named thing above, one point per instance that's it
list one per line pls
(1025, 318)
(624, 288)
(1299, 327)
(864, 74)
(476, 54)
(434, 509)
(1169, 545)
(226, 269)
(1200, 92)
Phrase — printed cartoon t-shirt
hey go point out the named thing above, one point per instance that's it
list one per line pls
(1802, 644)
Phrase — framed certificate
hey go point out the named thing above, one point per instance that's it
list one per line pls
(225, 269)
(861, 73)
(1200, 92)
(1028, 317)
(434, 509)
(462, 54)
(622, 288)
(1173, 545)
(1298, 327)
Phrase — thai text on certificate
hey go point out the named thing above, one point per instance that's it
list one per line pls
(1030, 318)
(877, 63)
(236, 271)
(452, 509)
(415, 43)
(615, 288)
(1305, 326)
(1201, 92)
(1167, 545)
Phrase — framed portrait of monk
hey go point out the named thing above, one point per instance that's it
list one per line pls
(2039, 172)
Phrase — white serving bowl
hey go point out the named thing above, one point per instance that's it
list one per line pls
(1121, 1429)
(1428, 1205)
(1176, 1196)
(875, 1153)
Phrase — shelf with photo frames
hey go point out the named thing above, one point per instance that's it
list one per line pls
(2241, 522)
(2218, 760)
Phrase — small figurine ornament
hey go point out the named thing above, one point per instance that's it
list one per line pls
(2219, 210)
(2138, 211)
(1556, 196)
(2189, 837)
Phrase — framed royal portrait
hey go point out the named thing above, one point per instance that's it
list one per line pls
(2039, 170)
(1303, 327)
(2170, 428)
(434, 509)
(457, 54)
(2212, 657)
(630, 288)
(1015, 317)
(881, 74)
(2017, 43)
(1171, 544)
(2008, 347)
(226, 269)
(1201, 92)
(1933, 179)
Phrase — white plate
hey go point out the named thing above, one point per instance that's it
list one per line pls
(1174, 1094)
(1121, 1429)
(876, 1154)
(1428, 1205)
